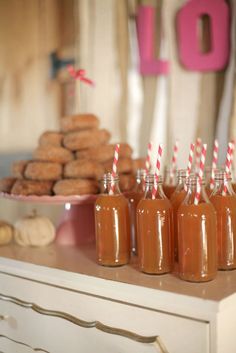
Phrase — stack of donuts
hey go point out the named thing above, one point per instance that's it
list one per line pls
(71, 161)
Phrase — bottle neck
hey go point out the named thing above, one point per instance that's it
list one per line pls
(182, 175)
(110, 185)
(150, 184)
(140, 180)
(170, 176)
(193, 188)
(223, 185)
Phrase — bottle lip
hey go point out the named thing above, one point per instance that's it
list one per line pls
(150, 179)
(182, 173)
(221, 175)
(169, 169)
(141, 173)
(108, 177)
(192, 180)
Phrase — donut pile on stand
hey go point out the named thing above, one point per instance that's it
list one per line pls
(71, 161)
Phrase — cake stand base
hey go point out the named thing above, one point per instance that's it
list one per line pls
(76, 226)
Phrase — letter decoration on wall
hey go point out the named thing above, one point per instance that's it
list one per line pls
(145, 30)
(187, 27)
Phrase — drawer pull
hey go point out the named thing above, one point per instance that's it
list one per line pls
(23, 344)
(155, 340)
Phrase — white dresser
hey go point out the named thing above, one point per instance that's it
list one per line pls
(57, 300)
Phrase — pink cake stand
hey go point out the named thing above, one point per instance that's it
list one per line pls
(76, 224)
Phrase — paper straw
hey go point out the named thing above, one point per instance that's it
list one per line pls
(157, 171)
(148, 157)
(174, 160)
(114, 167)
(228, 161)
(214, 164)
(190, 159)
(200, 174)
(198, 154)
(228, 164)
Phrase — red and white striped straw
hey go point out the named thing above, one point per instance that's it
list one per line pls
(200, 174)
(214, 163)
(198, 154)
(148, 157)
(157, 171)
(174, 159)
(190, 159)
(114, 167)
(115, 160)
(228, 163)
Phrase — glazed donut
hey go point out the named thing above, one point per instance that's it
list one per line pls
(68, 187)
(79, 140)
(43, 171)
(51, 138)
(32, 187)
(138, 163)
(83, 169)
(6, 184)
(79, 122)
(124, 165)
(18, 168)
(53, 154)
(104, 152)
(126, 182)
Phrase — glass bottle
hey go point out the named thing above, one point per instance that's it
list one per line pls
(134, 197)
(170, 181)
(112, 224)
(223, 199)
(197, 244)
(154, 230)
(176, 199)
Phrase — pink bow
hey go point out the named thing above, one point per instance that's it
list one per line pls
(79, 75)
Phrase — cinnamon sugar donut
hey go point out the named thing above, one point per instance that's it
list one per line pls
(79, 122)
(104, 152)
(32, 187)
(68, 187)
(6, 184)
(83, 169)
(124, 165)
(51, 138)
(18, 168)
(126, 182)
(79, 140)
(43, 171)
(53, 154)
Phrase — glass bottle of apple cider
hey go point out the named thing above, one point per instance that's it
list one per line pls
(197, 244)
(176, 199)
(112, 224)
(170, 182)
(223, 199)
(154, 228)
(134, 197)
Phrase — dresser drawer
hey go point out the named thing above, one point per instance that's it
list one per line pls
(58, 335)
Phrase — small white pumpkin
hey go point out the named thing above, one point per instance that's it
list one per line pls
(6, 233)
(34, 230)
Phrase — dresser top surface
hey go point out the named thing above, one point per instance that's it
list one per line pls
(83, 261)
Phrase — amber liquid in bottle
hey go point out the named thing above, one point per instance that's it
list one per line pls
(134, 197)
(112, 225)
(224, 201)
(170, 182)
(154, 226)
(197, 245)
(176, 199)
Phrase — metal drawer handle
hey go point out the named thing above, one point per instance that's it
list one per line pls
(155, 340)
